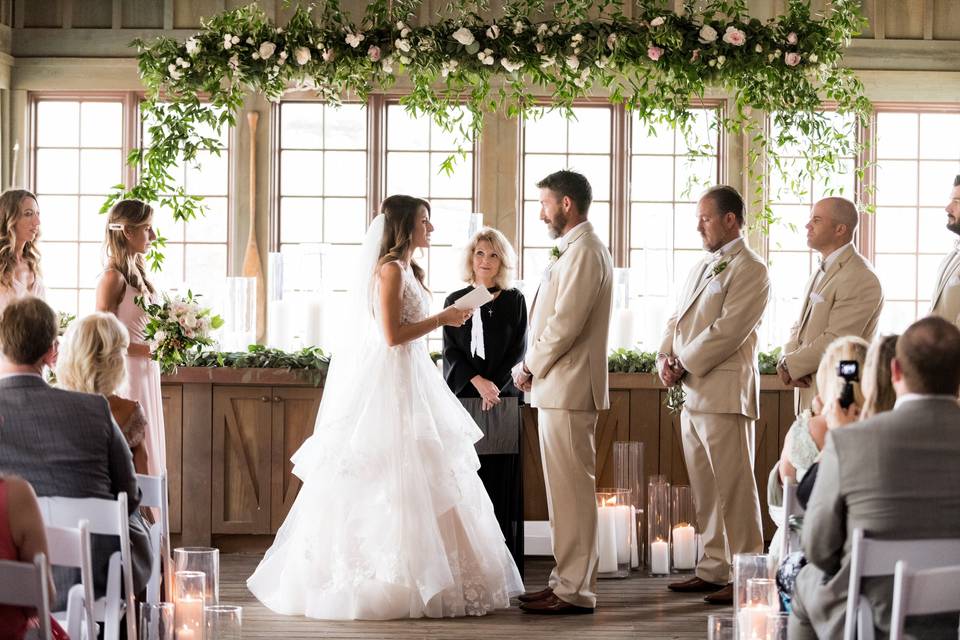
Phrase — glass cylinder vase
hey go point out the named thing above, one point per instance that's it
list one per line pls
(224, 622)
(205, 560)
(614, 532)
(747, 566)
(628, 474)
(658, 525)
(239, 314)
(761, 602)
(721, 627)
(683, 529)
(156, 621)
(188, 605)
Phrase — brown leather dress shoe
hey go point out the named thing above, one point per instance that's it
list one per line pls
(551, 605)
(536, 595)
(694, 585)
(724, 596)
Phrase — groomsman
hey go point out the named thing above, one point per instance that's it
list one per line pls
(843, 297)
(710, 347)
(946, 297)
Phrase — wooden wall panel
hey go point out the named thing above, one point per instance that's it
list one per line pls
(92, 14)
(645, 427)
(188, 13)
(41, 14)
(294, 416)
(241, 459)
(612, 425)
(197, 457)
(767, 452)
(141, 14)
(172, 396)
(671, 460)
(534, 491)
(946, 19)
(904, 19)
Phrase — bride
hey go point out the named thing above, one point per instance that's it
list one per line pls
(392, 520)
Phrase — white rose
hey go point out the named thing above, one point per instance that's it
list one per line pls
(573, 62)
(577, 38)
(266, 49)
(404, 60)
(493, 32)
(227, 41)
(302, 55)
(193, 47)
(518, 27)
(464, 36)
(734, 36)
(160, 336)
(511, 65)
(812, 57)
(758, 48)
(656, 22)
(403, 45)
(354, 39)
(708, 34)
(174, 72)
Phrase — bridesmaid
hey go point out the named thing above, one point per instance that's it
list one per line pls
(129, 235)
(19, 258)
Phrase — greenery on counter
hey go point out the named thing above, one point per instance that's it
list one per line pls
(310, 362)
(633, 361)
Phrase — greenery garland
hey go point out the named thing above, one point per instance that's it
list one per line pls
(658, 63)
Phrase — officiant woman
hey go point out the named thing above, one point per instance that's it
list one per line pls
(477, 358)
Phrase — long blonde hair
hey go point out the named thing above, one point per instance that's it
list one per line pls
(829, 384)
(132, 266)
(878, 392)
(92, 354)
(399, 220)
(10, 202)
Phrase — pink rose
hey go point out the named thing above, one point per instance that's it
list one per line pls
(654, 52)
(791, 59)
(792, 38)
(734, 36)
(373, 52)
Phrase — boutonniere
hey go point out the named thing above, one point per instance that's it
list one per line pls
(555, 254)
(719, 267)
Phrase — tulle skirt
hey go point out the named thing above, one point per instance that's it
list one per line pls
(143, 385)
(392, 520)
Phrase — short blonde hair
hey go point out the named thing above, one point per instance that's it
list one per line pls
(92, 356)
(829, 384)
(502, 247)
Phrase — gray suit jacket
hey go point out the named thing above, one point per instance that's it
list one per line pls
(895, 475)
(67, 444)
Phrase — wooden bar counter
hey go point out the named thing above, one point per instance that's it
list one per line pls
(230, 434)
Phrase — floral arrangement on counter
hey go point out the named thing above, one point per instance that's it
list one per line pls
(311, 362)
(659, 63)
(177, 328)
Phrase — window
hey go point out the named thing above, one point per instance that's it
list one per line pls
(79, 152)
(667, 175)
(551, 143)
(789, 258)
(917, 159)
(78, 156)
(415, 149)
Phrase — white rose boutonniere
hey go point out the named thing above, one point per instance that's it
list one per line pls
(719, 267)
(555, 254)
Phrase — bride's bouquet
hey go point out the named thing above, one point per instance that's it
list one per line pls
(176, 327)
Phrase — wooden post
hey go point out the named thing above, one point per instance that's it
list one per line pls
(251, 260)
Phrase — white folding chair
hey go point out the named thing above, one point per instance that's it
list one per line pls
(919, 593)
(791, 507)
(870, 557)
(71, 548)
(154, 494)
(109, 518)
(25, 584)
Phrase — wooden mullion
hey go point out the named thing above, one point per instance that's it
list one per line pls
(928, 9)
(117, 20)
(167, 15)
(880, 19)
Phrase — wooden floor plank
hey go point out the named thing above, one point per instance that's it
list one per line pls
(638, 607)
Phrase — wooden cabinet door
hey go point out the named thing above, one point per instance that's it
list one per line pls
(672, 463)
(172, 398)
(294, 415)
(242, 426)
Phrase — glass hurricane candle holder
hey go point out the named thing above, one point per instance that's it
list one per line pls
(156, 621)
(614, 528)
(721, 627)
(747, 566)
(206, 560)
(628, 474)
(683, 530)
(658, 525)
(753, 616)
(188, 605)
(224, 622)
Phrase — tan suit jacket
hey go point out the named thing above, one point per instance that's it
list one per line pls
(946, 297)
(895, 475)
(845, 302)
(714, 334)
(570, 320)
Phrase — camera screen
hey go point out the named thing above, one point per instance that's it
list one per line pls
(847, 368)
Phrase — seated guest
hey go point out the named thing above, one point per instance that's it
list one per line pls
(22, 536)
(804, 440)
(894, 475)
(477, 359)
(63, 442)
(878, 392)
(92, 359)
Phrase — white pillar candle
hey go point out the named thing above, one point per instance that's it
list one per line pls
(752, 622)
(606, 540)
(188, 614)
(275, 313)
(621, 516)
(314, 322)
(634, 540)
(621, 329)
(659, 557)
(684, 547)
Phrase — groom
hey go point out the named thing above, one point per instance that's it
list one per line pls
(565, 369)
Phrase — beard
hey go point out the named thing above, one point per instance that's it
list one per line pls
(954, 227)
(557, 224)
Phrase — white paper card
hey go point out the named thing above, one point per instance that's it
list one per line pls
(477, 297)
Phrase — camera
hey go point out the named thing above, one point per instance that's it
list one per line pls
(849, 370)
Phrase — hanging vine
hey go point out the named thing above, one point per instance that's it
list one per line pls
(658, 63)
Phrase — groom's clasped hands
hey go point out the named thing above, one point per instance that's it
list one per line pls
(522, 377)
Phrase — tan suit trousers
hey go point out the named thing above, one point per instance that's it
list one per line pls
(719, 452)
(569, 472)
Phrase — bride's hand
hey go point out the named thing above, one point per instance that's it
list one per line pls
(454, 317)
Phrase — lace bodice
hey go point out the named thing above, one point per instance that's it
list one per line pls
(416, 301)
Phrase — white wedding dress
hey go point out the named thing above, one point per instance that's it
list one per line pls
(392, 520)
